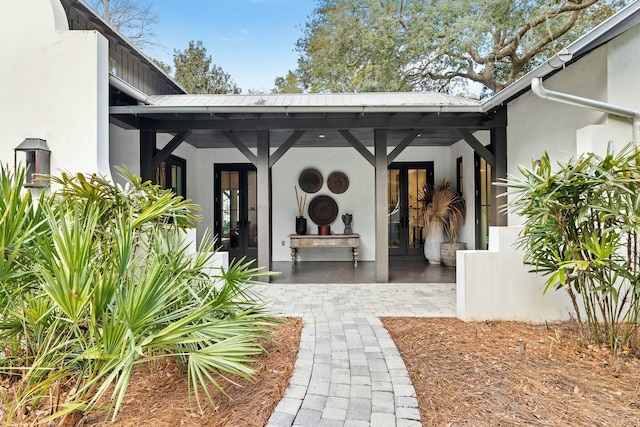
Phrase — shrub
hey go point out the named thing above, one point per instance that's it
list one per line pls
(98, 278)
(581, 230)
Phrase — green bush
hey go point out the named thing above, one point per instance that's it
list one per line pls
(581, 227)
(97, 278)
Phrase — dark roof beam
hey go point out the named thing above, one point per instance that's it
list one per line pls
(411, 136)
(359, 146)
(473, 123)
(284, 147)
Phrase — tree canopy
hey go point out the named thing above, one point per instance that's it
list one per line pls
(287, 84)
(441, 45)
(196, 72)
(136, 20)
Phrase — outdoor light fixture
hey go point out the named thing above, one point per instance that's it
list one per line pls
(35, 154)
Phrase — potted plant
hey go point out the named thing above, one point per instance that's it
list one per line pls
(444, 210)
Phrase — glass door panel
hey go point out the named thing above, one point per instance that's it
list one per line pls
(236, 220)
(416, 181)
(394, 212)
(406, 226)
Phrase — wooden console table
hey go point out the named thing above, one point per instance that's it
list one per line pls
(352, 241)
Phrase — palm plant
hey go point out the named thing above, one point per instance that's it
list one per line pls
(106, 283)
(445, 206)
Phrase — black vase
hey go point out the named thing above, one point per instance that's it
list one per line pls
(301, 225)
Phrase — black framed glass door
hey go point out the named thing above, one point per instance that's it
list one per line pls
(236, 201)
(406, 226)
(483, 199)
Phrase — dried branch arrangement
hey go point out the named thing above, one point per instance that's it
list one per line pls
(301, 200)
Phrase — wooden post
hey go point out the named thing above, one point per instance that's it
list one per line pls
(264, 202)
(382, 220)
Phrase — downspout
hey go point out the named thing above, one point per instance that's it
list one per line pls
(565, 98)
(125, 87)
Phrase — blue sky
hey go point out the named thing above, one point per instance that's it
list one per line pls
(253, 40)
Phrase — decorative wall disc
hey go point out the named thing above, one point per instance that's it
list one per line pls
(323, 210)
(338, 182)
(310, 180)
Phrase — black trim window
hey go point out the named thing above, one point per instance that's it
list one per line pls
(172, 173)
(459, 175)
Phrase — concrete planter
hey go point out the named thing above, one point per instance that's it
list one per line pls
(448, 252)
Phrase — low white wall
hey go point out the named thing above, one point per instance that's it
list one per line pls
(495, 284)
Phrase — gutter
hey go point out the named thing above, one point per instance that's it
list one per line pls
(577, 101)
(126, 88)
(281, 109)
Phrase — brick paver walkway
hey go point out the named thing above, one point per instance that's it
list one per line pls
(349, 372)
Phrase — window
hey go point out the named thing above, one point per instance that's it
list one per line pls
(172, 173)
(459, 175)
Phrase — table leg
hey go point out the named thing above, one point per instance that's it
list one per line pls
(293, 255)
(355, 256)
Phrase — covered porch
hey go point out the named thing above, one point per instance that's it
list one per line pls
(375, 129)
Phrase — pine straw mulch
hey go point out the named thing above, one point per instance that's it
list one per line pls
(515, 374)
(159, 397)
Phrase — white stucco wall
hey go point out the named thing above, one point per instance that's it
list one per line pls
(495, 284)
(357, 200)
(536, 125)
(54, 86)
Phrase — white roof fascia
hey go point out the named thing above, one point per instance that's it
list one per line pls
(361, 109)
(563, 57)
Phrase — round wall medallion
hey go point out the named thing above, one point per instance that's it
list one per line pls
(310, 180)
(338, 182)
(323, 210)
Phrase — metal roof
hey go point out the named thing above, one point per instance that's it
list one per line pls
(381, 99)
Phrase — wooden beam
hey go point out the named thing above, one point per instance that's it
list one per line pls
(471, 121)
(163, 154)
(359, 146)
(477, 146)
(284, 147)
(381, 209)
(402, 145)
(240, 146)
(147, 151)
(264, 203)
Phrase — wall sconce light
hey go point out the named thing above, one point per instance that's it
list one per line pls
(35, 154)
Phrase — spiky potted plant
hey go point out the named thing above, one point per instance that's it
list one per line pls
(444, 211)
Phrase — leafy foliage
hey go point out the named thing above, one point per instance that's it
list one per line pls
(98, 278)
(287, 84)
(440, 45)
(196, 72)
(581, 231)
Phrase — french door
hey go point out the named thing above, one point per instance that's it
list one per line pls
(406, 226)
(236, 216)
(483, 200)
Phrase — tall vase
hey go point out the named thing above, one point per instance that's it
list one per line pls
(435, 236)
(301, 225)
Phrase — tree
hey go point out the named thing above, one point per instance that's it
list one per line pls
(356, 45)
(134, 19)
(288, 84)
(196, 73)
